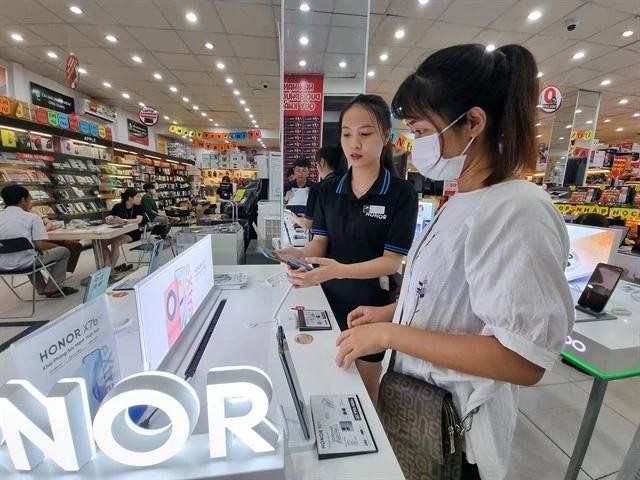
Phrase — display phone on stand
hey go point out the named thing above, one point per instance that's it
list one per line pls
(597, 293)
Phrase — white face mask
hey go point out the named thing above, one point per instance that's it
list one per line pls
(427, 157)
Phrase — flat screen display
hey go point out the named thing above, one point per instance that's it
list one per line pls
(589, 246)
(169, 297)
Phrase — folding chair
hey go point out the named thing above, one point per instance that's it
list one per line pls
(17, 245)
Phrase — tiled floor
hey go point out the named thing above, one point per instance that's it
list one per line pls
(550, 412)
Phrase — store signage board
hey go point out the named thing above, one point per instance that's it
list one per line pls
(45, 97)
(80, 343)
(215, 136)
(99, 110)
(550, 99)
(72, 72)
(148, 116)
(23, 111)
(137, 132)
(58, 426)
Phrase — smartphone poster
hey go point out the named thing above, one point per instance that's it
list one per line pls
(80, 343)
(168, 298)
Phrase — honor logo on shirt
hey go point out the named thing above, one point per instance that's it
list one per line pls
(375, 211)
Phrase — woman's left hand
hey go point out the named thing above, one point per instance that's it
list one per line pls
(359, 341)
(327, 269)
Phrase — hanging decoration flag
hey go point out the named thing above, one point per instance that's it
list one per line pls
(71, 71)
(550, 99)
(149, 116)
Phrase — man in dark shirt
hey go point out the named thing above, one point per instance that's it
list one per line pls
(301, 169)
(127, 211)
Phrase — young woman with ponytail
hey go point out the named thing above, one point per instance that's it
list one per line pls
(484, 305)
(363, 223)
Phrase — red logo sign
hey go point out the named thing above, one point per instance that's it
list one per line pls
(303, 95)
(149, 116)
(550, 99)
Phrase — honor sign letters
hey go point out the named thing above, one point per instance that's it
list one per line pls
(58, 426)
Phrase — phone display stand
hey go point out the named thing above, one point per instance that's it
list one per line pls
(293, 431)
(595, 316)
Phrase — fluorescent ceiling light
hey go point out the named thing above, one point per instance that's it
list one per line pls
(384, 57)
(304, 40)
(490, 48)
(399, 34)
(52, 55)
(106, 84)
(191, 17)
(578, 55)
(605, 82)
(136, 59)
(342, 64)
(534, 15)
(209, 46)
(83, 71)
(76, 10)
(17, 37)
(304, 6)
(371, 73)
(126, 95)
(157, 76)
(220, 66)
(302, 63)
(173, 89)
(111, 38)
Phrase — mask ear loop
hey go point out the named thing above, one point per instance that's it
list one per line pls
(447, 128)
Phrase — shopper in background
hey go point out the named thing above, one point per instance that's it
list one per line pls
(127, 211)
(151, 212)
(17, 221)
(484, 305)
(363, 224)
(330, 162)
(75, 248)
(225, 191)
(301, 171)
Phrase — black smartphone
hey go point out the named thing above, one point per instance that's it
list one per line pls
(293, 262)
(601, 285)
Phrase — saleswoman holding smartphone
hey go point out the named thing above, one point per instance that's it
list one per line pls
(484, 305)
(363, 224)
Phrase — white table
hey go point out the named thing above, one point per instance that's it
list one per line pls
(235, 343)
(608, 350)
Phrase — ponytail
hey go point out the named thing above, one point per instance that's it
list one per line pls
(503, 83)
(515, 128)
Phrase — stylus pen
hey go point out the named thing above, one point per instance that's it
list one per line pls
(282, 300)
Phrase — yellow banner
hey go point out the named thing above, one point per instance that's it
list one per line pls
(573, 209)
(625, 213)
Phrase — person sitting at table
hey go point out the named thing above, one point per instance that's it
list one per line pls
(75, 248)
(16, 221)
(128, 211)
(151, 212)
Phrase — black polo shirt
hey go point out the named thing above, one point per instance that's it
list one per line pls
(313, 195)
(361, 229)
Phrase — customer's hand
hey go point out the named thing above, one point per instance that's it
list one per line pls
(328, 269)
(364, 315)
(360, 341)
(291, 252)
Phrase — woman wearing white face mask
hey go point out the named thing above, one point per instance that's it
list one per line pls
(484, 305)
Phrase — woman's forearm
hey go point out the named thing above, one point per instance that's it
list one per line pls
(478, 355)
(315, 248)
(387, 264)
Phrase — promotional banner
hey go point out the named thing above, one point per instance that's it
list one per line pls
(3, 81)
(215, 147)
(149, 116)
(303, 97)
(619, 166)
(213, 136)
(99, 110)
(45, 97)
(71, 71)
(24, 111)
(80, 343)
(168, 298)
(137, 132)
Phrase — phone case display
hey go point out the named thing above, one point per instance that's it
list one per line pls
(617, 195)
(584, 194)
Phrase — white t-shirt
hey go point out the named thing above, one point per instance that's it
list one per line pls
(16, 223)
(492, 264)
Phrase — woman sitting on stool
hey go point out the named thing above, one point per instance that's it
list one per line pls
(128, 210)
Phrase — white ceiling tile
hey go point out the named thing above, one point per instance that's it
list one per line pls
(317, 35)
(414, 30)
(297, 17)
(515, 19)
(544, 47)
(629, 89)
(346, 40)
(614, 60)
(352, 7)
(591, 50)
(399, 74)
(395, 54)
(194, 78)
(349, 21)
(332, 63)
(468, 12)
(499, 38)
(30, 38)
(28, 11)
(93, 12)
(232, 65)
(196, 40)
(592, 19)
(62, 35)
(628, 6)
(96, 56)
(175, 11)
(234, 17)
(415, 57)
(379, 6)
(382, 72)
(573, 77)
(176, 61)
(254, 47)
(97, 34)
(412, 9)
(256, 66)
(613, 34)
(442, 35)
(374, 23)
(636, 45)
(138, 13)
(159, 40)
(148, 60)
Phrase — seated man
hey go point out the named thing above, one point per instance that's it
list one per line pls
(127, 211)
(74, 247)
(17, 221)
(151, 211)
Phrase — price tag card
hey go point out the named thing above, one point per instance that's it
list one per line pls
(309, 320)
(340, 426)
